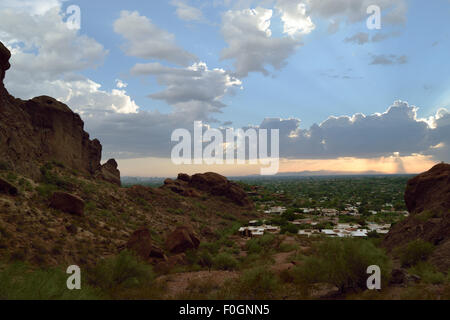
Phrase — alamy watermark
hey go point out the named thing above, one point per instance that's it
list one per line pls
(374, 20)
(374, 281)
(74, 281)
(73, 13)
(227, 146)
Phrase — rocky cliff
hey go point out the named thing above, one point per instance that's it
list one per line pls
(427, 198)
(43, 129)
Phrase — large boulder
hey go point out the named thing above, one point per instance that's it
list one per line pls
(7, 188)
(141, 243)
(218, 185)
(210, 183)
(182, 239)
(427, 198)
(68, 203)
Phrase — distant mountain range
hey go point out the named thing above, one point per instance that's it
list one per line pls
(320, 173)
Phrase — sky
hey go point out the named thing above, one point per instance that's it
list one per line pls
(344, 96)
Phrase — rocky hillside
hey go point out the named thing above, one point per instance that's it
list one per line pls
(59, 205)
(427, 197)
(43, 129)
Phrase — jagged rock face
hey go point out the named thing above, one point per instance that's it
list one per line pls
(4, 62)
(110, 173)
(211, 183)
(427, 197)
(41, 130)
(429, 190)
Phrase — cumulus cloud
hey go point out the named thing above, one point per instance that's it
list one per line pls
(186, 12)
(34, 7)
(398, 130)
(142, 134)
(294, 17)
(47, 57)
(195, 89)
(145, 40)
(250, 41)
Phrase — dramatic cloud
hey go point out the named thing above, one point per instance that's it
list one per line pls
(386, 60)
(250, 41)
(143, 134)
(398, 130)
(145, 40)
(186, 12)
(47, 57)
(196, 90)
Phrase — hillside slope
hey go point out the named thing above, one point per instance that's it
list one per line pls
(427, 198)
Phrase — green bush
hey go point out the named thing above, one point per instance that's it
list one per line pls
(428, 273)
(257, 283)
(122, 271)
(225, 261)
(257, 245)
(414, 252)
(343, 263)
(289, 228)
(19, 282)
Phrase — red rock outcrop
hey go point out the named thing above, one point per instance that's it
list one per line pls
(141, 243)
(210, 183)
(110, 173)
(427, 198)
(181, 240)
(429, 190)
(67, 203)
(41, 130)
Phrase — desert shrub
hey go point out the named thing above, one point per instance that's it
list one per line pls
(45, 190)
(414, 252)
(289, 228)
(225, 261)
(428, 273)
(343, 263)
(286, 247)
(211, 247)
(122, 271)
(425, 215)
(11, 176)
(257, 245)
(19, 282)
(257, 283)
(205, 259)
